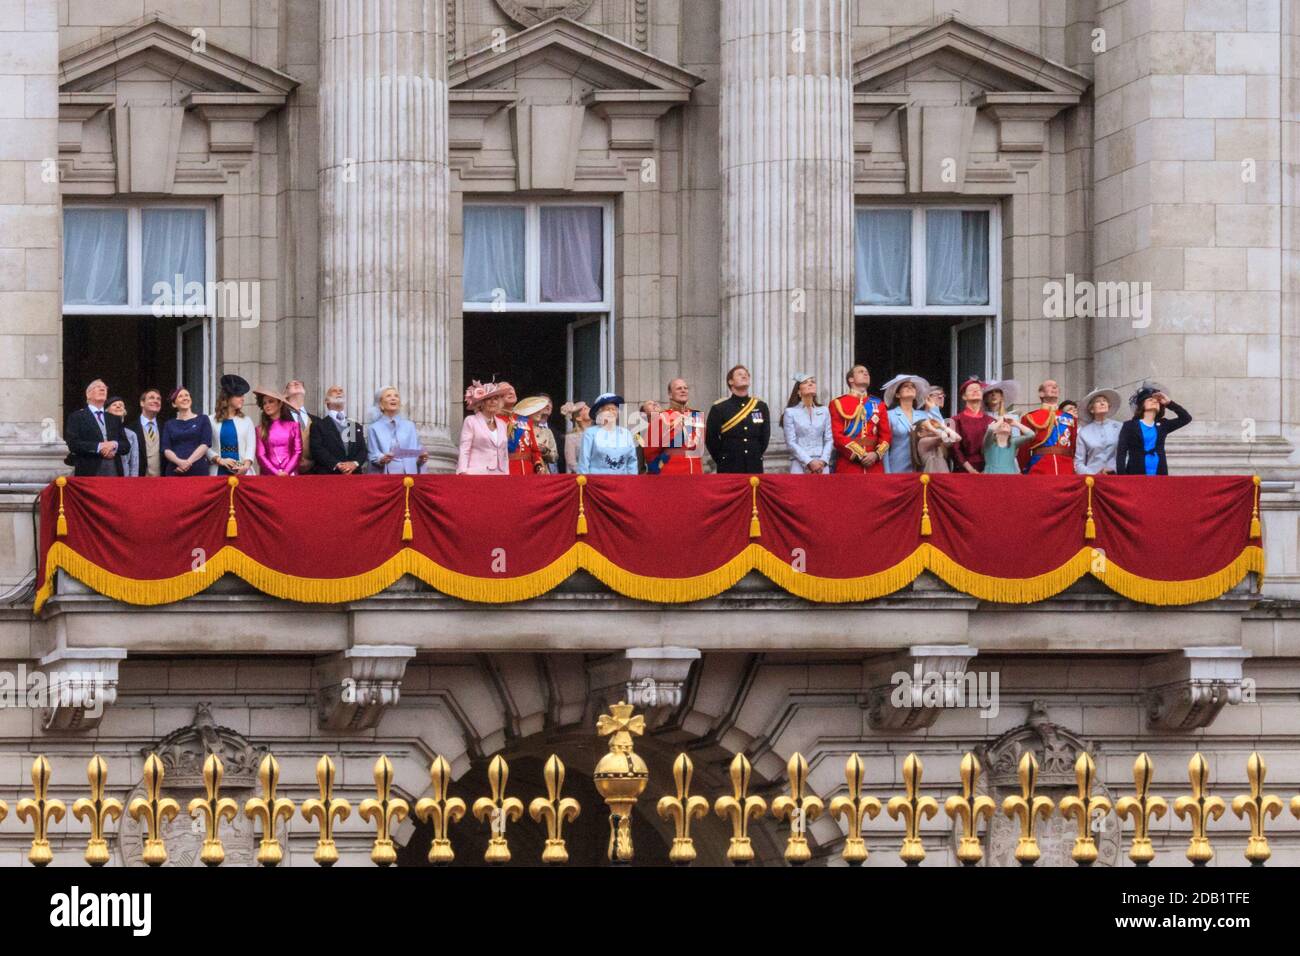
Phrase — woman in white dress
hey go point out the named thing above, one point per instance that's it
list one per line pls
(807, 426)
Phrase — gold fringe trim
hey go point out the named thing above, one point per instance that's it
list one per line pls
(1168, 593)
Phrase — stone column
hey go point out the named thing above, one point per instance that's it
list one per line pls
(384, 207)
(786, 118)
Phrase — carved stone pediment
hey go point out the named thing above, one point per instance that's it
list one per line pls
(183, 751)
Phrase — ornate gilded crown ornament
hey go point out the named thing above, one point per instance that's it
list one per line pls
(740, 808)
(97, 809)
(681, 809)
(913, 808)
(1142, 807)
(325, 810)
(440, 810)
(1202, 808)
(497, 810)
(856, 810)
(1259, 806)
(968, 808)
(1028, 807)
(799, 808)
(555, 810)
(269, 810)
(1083, 807)
(156, 810)
(382, 810)
(620, 776)
(214, 808)
(39, 810)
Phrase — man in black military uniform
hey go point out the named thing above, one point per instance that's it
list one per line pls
(738, 428)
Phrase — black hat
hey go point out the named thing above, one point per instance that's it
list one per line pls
(235, 385)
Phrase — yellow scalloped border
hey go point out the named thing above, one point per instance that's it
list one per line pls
(504, 590)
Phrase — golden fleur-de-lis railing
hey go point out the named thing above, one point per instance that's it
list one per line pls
(155, 810)
(214, 808)
(1201, 808)
(325, 810)
(1143, 807)
(497, 810)
(39, 810)
(269, 811)
(555, 810)
(739, 809)
(912, 808)
(968, 809)
(97, 809)
(1083, 806)
(1029, 807)
(856, 810)
(1258, 806)
(382, 810)
(440, 810)
(681, 809)
(800, 808)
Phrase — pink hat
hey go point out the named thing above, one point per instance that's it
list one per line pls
(478, 393)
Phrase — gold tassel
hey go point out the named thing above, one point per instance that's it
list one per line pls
(1256, 529)
(408, 533)
(582, 508)
(754, 530)
(1089, 526)
(61, 526)
(926, 527)
(232, 529)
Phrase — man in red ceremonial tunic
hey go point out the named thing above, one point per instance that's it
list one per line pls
(1051, 450)
(523, 449)
(674, 442)
(859, 427)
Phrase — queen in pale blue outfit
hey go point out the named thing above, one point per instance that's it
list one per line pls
(807, 427)
(607, 447)
(903, 418)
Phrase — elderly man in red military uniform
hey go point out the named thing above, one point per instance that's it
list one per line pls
(524, 451)
(859, 427)
(674, 442)
(1051, 450)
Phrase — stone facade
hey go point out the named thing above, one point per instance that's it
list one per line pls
(337, 145)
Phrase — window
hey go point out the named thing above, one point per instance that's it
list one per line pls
(538, 257)
(138, 260)
(925, 260)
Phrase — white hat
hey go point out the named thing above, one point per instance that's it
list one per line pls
(1109, 394)
(891, 387)
(1009, 388)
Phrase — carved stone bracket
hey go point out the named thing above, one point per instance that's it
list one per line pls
(907, 690)
(652, 679)
(357, 685)
(1022, 117)
(1186, 690)
(81, 683)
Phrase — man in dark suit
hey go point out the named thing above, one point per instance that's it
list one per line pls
(338, 444)
(96, 443)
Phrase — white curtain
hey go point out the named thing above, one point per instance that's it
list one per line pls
(94, 256)
(494, 253)
(173, 243)
(956, 257)
(883, 257)
(573, 243)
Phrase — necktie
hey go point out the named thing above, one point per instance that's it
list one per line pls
(99, 417)
(151, 435)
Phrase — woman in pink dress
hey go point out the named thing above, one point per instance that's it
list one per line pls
(483, 437)
(279, 442)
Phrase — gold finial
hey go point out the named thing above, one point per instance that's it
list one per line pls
(799, 809)
(740, 808)
(620, 776)
(270, 810)
(440, 810)
(681, 809)
(856, 810)
(913, 808)
(39, 811)
(325, 810)
(98, 809)
(1202, 808)
(498, 810)
(968, 808)
(214, 808)
(1082, 807)
(555, 810)
(1028, 808)
(1142, 807)
(382, 810)
(156, 810)
(1258, 806)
